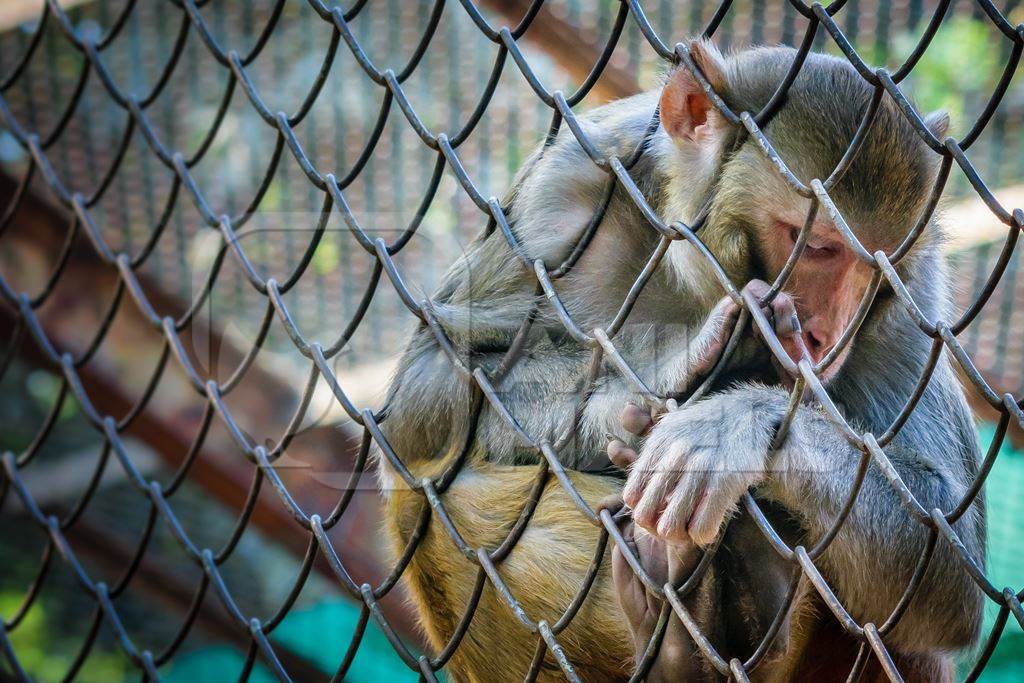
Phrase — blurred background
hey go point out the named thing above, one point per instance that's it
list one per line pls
(957, 73)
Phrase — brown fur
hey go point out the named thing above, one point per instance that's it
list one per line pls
(544, 572)
(829, 652)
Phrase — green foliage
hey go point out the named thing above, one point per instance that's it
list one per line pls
(957, 72)
(959, 69)
(46, 660)
(44, 387)
(327, 256)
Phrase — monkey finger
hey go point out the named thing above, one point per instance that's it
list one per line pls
(649, 550)
(683, 501)
(682, 559)
(788, 325)
(717, 503)
(636, 483)
(784, 317)
(650, 504)
(640, 476)
(759, 288)
(613, 503)
(633, 596)
(780, 311)
(727, 310)
(631, 593)
(621, 455)
(635, 420)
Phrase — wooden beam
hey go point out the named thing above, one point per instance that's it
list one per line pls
(315, 464)
(575, 49)
(16, 12)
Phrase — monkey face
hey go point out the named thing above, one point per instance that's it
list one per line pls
(826, 285)
(756, 217)
(832, 273)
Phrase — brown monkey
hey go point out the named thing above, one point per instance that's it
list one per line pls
(693, 463)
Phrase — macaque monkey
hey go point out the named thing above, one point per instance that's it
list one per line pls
(687, 470)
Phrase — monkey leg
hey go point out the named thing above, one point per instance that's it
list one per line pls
(827, 654)
(544, 571)
(734, 604)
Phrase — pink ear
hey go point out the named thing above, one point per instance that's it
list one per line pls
(684, 106)
(685, 109)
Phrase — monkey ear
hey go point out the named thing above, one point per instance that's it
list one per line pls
(686, 111)
(938, 123)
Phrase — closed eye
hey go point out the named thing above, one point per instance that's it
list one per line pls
(817, 248)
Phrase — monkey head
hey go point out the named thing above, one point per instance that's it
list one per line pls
(755, 217)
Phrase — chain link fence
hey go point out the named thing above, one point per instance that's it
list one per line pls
(320, 220)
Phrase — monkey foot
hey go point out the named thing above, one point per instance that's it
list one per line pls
(663, 563)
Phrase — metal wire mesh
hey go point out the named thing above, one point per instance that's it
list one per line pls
(181, 162)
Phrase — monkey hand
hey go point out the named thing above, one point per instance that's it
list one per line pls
(694, 466)
(781, 311)
(714, 336)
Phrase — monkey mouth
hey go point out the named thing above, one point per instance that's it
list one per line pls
(798, 351)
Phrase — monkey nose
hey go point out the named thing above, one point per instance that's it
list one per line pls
(816, 347)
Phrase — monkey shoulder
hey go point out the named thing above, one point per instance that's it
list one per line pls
(563, 169)
(613, 128)
(557, 192)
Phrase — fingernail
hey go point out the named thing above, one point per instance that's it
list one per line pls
(635, 419)
(621, 455)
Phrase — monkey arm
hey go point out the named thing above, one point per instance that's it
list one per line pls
(429, 410)
(698, 461)
(693, 357)
(874, 554)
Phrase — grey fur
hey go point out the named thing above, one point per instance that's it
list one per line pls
(488, 293)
